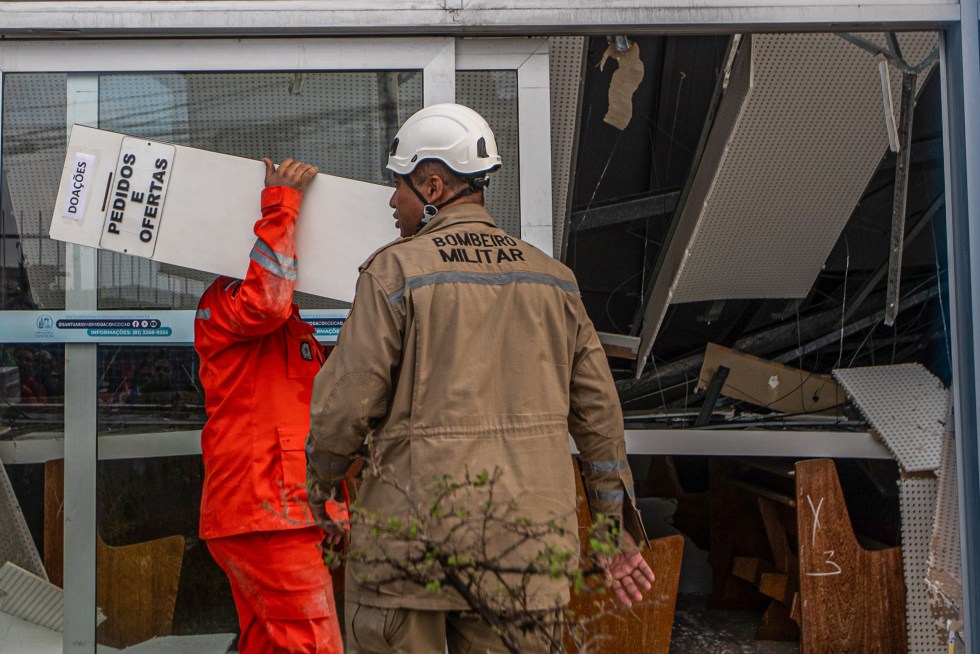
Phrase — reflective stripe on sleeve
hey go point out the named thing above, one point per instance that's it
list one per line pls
(605, 466)
(278, 264)
(488, 279)
(608, 495)
(203, 314)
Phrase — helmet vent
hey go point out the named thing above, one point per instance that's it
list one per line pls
(393, 148)
(481, 148)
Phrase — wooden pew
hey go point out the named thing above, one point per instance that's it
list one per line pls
(785, 534)
(136, 585)
(647, 626)
(851, 600)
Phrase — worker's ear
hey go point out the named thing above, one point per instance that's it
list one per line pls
(433, 188)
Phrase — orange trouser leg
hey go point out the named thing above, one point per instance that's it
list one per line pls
(282, 590)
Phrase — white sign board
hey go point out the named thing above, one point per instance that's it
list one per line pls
(136, 191)
(193, 208)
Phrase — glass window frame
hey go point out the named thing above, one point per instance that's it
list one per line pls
(438, 57)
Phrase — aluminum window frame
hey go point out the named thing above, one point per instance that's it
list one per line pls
(84, 61)
(530, 58)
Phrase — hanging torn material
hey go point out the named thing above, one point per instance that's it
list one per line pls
(624, 83)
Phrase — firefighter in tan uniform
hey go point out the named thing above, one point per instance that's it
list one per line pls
(466, 350)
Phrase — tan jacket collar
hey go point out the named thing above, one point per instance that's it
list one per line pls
(456, 214)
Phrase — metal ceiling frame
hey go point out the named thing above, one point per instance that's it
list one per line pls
(960, 66)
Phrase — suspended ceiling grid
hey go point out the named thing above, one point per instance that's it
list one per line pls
(799, 132)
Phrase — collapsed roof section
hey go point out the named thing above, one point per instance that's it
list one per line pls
(798, 135)
(760, 170)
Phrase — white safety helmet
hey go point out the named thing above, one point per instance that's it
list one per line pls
(451, 133)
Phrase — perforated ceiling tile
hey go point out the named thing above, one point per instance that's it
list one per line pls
(34, 139)
(945, 553)
(29, 597)
(566, 54)
(917, 497)
(907, 405)
(944, 581)
(16, 544)
(493, 93)
(808, 138)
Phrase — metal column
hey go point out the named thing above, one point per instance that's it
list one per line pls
(81, 438)
(960, 61)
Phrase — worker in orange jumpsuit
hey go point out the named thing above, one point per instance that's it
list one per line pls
(258, 360)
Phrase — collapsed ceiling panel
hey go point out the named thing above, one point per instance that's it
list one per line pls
(944, 580)
(799, 132)
(907, 405)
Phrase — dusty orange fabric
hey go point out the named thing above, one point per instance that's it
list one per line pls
(286, 607)
(258, 360)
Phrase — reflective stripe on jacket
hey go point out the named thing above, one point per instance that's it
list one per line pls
(469, 350)
(258, 360)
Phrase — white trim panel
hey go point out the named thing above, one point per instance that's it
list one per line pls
(459, 16)
(439, 74)
(81, 406)
(228, 55)
(49, 446)
(534, 120)
(705, 442)
(505, 53)
(728, 442)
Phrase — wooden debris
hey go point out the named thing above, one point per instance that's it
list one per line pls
(769, 384)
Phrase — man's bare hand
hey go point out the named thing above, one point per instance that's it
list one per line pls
(291, 173)
(333, 532)
(627, 573)
(316, 500)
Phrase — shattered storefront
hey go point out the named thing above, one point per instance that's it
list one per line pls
(767, 210)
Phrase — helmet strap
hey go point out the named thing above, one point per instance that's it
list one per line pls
(429, 210)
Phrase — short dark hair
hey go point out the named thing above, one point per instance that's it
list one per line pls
(449, 177)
